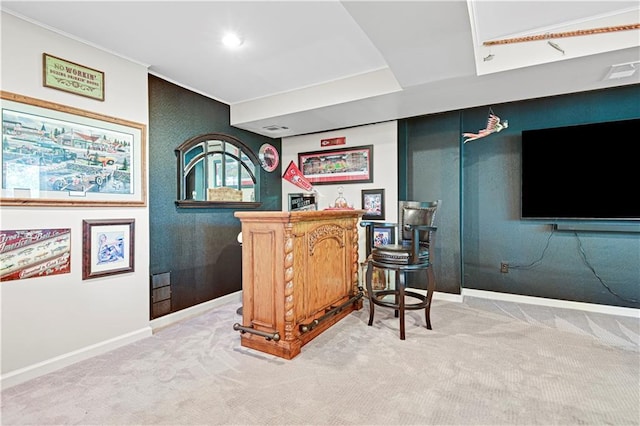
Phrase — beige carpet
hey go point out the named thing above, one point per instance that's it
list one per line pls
(484, 363)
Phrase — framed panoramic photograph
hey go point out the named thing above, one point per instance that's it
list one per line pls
(55, 155)
(107, 247)
(373, 204)
(338, 166)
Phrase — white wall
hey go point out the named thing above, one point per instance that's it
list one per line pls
(50, 322)
(383, 137)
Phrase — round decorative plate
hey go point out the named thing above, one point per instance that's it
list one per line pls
(269, 157)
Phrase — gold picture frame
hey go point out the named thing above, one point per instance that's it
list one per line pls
(56, 155)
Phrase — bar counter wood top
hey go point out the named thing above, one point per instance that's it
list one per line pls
(299, 276)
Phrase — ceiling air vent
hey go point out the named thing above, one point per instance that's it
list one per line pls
(622, 70)
(274, 128)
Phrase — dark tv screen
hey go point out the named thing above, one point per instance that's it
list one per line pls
(587, 171)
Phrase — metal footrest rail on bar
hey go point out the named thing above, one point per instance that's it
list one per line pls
(304, 328)
(269, 336)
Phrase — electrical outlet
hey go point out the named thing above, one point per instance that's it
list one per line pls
(504, 267)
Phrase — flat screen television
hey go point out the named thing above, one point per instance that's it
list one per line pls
(587, 171)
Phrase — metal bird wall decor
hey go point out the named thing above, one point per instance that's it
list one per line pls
(494, 125)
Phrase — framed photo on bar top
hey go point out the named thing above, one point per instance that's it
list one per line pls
(302, 202)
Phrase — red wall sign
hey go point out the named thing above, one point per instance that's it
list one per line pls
(333, 141)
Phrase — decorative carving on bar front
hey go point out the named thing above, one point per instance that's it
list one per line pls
(322, 233)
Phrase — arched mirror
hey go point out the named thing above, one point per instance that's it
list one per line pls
(217, 170)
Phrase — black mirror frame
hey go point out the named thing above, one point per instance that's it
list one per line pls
(181, 202)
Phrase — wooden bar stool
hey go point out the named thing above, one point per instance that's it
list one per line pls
(411, 258)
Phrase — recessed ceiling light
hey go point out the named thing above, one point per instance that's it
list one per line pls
(232, 40)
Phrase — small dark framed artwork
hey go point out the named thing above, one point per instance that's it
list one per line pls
(373, 204)
(107, 247)
(381, 235)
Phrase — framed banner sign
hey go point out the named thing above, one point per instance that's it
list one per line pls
(334, 166)
(31, 253)
(55, 155)
(302, 201)
(70, 77)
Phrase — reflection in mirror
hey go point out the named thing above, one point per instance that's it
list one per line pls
(217, 168)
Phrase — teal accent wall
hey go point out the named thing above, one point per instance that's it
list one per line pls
(433, 173)
(403, 127)
(198, 246)
(480, 225)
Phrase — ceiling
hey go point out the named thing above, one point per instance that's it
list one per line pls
(311, 66)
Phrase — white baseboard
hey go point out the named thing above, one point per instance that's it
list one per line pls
(531, 300)
(566, 304)
(193, 311)
(39, 369)
(449, 297)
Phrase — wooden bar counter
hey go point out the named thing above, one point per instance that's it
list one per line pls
(299, 276)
